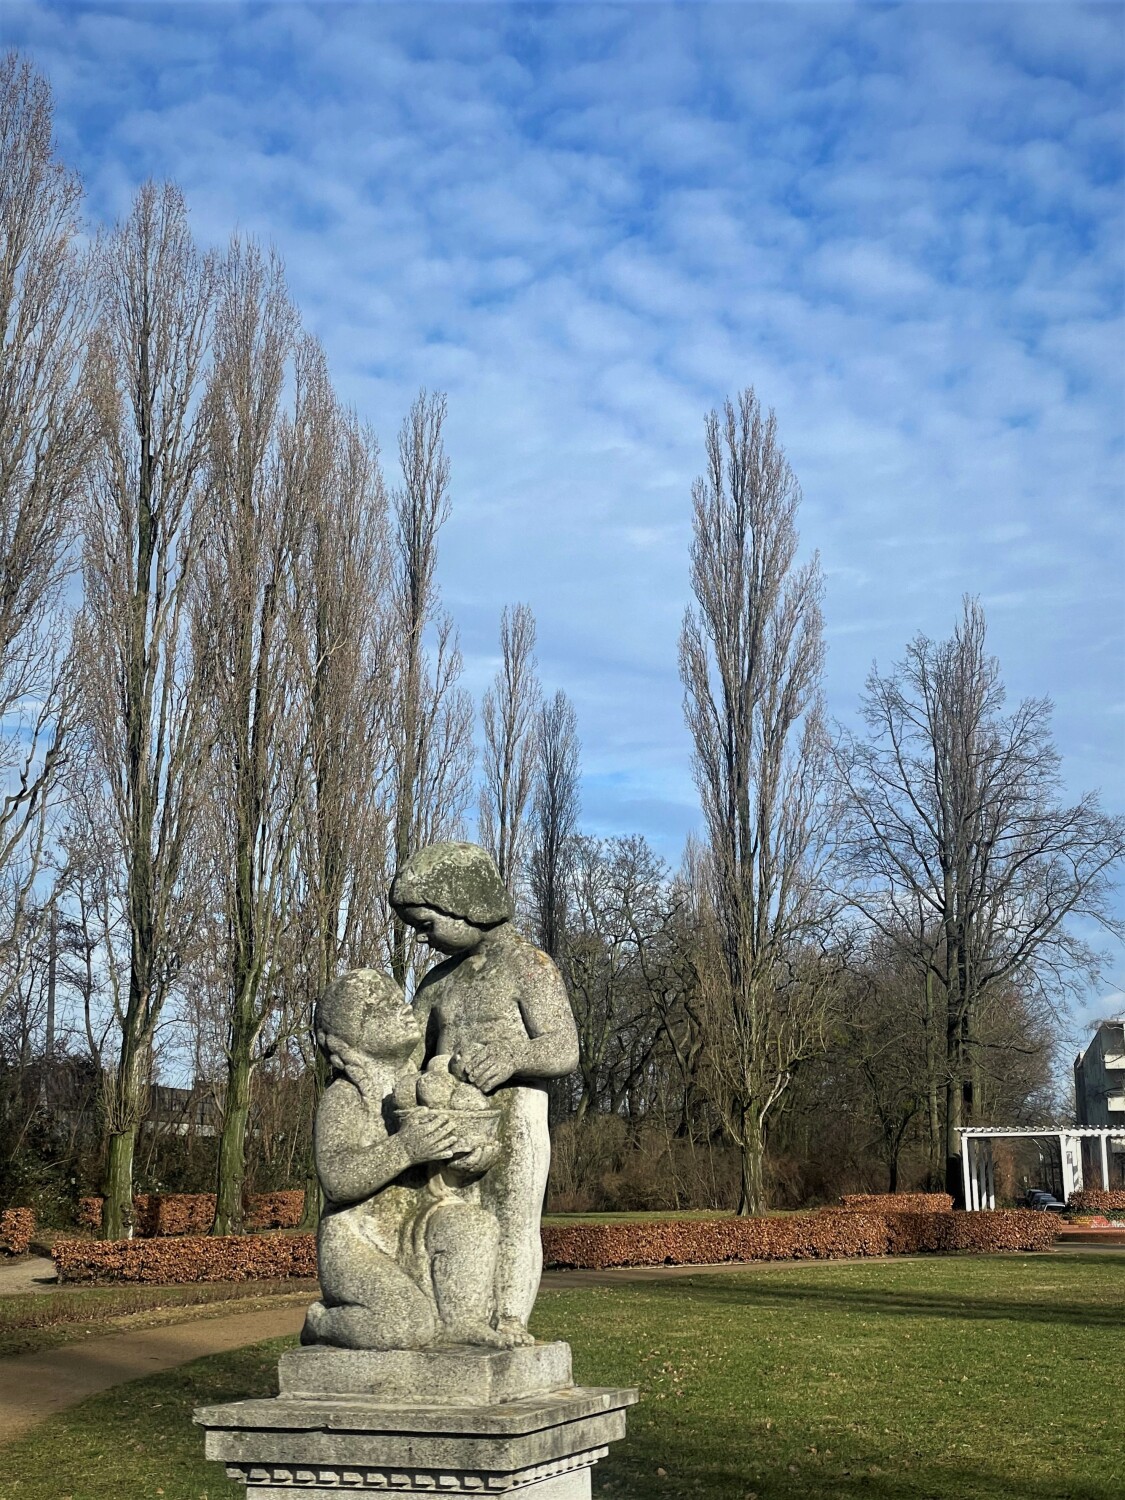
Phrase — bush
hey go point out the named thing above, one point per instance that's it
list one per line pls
(17, 1225)
(159, 1214)
(910, 1203)
(235, 1257)
(1097, 1200)
(827, 1235)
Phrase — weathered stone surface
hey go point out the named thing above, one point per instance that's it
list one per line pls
(461, 1450)
(460, 880)
(434, 1181)
(498, 1010)
(451, 1377)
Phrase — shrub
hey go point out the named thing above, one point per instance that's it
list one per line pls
(159, 1214)
(186, 1258)
(17, 1225)
(911, 1203)
(1097, 1200)
(827, 1235)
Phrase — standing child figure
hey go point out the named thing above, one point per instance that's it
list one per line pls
(497, 1007)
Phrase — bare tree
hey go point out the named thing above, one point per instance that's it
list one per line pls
(431, 717)
(751, 657)
(961, 852)
(45, 431)
(344, 646)
(244, 627)
(144, 702)
(508, 713)
(556, 806)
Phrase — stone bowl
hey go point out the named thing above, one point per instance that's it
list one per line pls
(475, 1129)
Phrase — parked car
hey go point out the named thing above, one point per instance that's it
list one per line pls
(1039, 1198)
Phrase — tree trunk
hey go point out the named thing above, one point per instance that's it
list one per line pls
(310, 1213)
(117, 1205)
(751, 1187)
(954, 1184)
(232, 1142)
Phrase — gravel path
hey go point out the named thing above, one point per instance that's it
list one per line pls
(31, 1273)
(35, 1386)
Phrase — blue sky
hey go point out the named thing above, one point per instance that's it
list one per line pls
(902, 224)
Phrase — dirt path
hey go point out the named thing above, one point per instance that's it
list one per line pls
(31, 1273)
(35, 1386)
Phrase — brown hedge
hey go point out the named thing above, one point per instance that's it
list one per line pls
(236, 1257)
(827, 1235)
(907, 1203)
(158, 1214)
(17, 1225)
(1097, 1200)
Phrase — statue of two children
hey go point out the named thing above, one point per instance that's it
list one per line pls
(431, 1139)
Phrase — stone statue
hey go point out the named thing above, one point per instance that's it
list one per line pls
(434, 1179)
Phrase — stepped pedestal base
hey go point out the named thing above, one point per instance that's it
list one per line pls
(449, 1422)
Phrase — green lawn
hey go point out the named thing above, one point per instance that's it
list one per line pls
(966, 1378)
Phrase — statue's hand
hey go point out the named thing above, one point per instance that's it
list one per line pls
(355, 1065)
(486, 1065)
(427, 1138)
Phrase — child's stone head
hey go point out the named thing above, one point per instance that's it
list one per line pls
(367, 1010)
(452, 893)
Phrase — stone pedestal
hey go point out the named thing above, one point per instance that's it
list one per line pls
(461, 1421)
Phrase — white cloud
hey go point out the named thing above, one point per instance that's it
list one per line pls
(903, 225)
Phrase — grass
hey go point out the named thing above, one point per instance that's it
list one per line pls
(42, 1320)
(963, 1378)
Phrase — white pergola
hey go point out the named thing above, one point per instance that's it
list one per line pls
(976, 1156)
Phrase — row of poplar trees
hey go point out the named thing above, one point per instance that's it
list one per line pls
(230, 693)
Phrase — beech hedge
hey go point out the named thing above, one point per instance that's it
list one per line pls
(829, 1235)
(919, 1203)
(17, 1225)
(1097, 1200)
(184, 1258)
(159, 1214)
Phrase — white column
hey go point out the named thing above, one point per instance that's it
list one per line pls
(989, 1174)
(1102, 1141)
(965, 1139)
(975, 1173)
(1067, 1180)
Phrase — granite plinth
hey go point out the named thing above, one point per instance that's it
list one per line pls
(543, 1446)
(431, 1377)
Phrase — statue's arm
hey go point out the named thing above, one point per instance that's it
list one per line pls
(551, 1049)
(355, 1156)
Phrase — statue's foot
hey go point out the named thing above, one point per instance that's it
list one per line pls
(314, 1321)
(514, 1332)
(480, 1333)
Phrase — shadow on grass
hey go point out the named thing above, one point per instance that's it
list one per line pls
(913, 1303)
(693, 1467)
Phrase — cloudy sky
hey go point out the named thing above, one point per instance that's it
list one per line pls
(903, 225)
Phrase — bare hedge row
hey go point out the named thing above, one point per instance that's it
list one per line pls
(157, 1214)
(907, 1203)
(826, 1235)
(1097, 1200)
(17, 1225)
(822, 1236)
(235, 1257)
